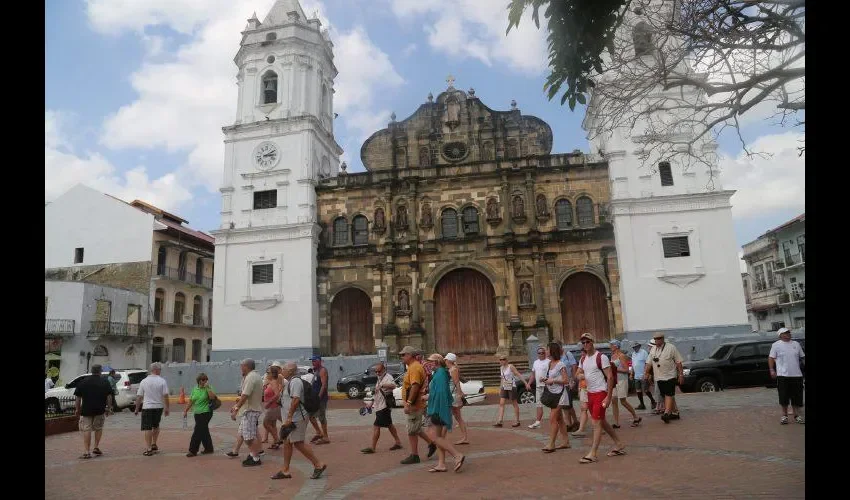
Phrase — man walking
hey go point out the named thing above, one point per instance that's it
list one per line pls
(539, 373)
(784, 361)
(320, 387)
(248, 409)
(414, 406)
(93, 403)
(665, 364)
(383, 413)
(295, 424)
(152, 399)
(639, 357)
(595, 368)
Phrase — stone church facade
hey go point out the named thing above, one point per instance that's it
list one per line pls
(465, 234)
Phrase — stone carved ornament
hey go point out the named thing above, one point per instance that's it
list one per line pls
(401, 217)
(403, 301)
(542, 210)
(492, 208)
(427, 217)
(380, 223)
(525, 294)
(519, 207)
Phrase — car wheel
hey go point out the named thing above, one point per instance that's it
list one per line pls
(707, 384)
(354, 391)
(52, 406)
(526, 398)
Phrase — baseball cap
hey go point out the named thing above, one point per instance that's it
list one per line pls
(783, 330)
(315, 357)
(615, 342)
(587, 336)
(277, 364)
(407, 350)
(451, 357)
(436, 357)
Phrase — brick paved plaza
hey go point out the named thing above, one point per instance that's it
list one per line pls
(727, 445)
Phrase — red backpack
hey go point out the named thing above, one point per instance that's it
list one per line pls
(598, 363)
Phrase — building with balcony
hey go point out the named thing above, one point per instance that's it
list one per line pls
(96, 238)
(87, 323)
(776, 264)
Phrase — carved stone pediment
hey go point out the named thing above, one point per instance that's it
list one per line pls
(681, 280)
(260, 304)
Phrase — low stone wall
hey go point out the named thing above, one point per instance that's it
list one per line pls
(61, 425)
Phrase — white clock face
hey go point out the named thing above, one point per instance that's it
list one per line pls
(266, 155)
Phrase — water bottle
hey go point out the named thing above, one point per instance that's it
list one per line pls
(185, 422)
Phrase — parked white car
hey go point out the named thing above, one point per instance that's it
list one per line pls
(61, 399)
(473, 391)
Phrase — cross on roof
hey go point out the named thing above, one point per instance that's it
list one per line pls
(450, 80)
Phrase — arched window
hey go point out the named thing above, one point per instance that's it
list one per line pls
(511, 149)
(564, 214)
(448, 222)
(642, 39)
(160, 261)
(178, 351)
(196, 349)
(199, 270)
(361, 230)
(270, 87)
(340, 231)
(197, 317)
(584, 211)
(179, 307)
(158, 305)
(470, 221)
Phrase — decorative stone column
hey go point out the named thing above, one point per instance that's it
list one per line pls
(539, 298)
(512, 292)
(530, 201)
(390, 328)
(504, 206)
(417, 333)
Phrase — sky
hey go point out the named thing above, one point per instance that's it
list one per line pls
(136, 93)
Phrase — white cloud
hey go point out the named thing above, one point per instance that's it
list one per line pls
(410, 49)
(475, 29)
(766, 184)
(364, 69)
(63, 170)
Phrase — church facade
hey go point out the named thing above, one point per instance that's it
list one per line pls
(465, 234)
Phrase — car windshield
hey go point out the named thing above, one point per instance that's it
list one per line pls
(720, 352)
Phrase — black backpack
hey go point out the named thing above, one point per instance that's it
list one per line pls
(310, 400)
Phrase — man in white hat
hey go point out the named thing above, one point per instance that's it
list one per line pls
(666, 367)
(784, 361)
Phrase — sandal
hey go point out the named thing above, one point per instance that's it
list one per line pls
(395, 447)
(367, 451)
(97, 452)
(315, 438)
(154, 448)
(616, 453)
(563, 447)
(588, 460)
(516, 424)
(616, 426)
(85, 456)
(317, 473)
(148, 453)
(461, 443)
(637, 422)
(232, 454)
(323, 441)
(459, 464)
(434, 469)
(548, 450)
(274, 447)
(281, 475)
(497, 424)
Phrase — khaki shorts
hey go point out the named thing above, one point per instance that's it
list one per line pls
(582, 395)
(414, 422)
(95, 423)
(299, 433)
(621, 390)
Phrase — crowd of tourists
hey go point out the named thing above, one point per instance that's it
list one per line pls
(432, 400)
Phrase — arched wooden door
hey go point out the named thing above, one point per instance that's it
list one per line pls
(465, 313)
(584, 308)
(351, 323)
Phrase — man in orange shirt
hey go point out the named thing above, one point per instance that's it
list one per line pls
(412, 391)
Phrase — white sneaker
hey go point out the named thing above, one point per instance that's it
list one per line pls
(535, 425)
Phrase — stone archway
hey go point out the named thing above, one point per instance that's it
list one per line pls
(351, 323)
(465, 313)
(584, 307)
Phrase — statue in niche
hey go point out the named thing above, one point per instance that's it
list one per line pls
(541, 206)
(452, 110)
(403, 301)
(427, 219)
(401, 216)
(379, 219)
(525, 294)
(424, 157)
(492, 208)
(519, 207)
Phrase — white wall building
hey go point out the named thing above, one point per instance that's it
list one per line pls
(279, 146)
(86, 324)
(776, 264)
(674, 235)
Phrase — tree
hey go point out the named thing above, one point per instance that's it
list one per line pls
(674, 74)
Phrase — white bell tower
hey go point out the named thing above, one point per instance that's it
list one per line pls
(674, 234)
(280, 144)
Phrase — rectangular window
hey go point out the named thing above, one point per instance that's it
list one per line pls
(265, 199)
(78, 256)
(768, 268)
(666, 173)
(676, 246)
(262, 273)
(776, 325)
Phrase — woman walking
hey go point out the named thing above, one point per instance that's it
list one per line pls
(556, 385)
(620, 366)
(271, 402)
(199, 403)
(439, 412)
(509, 375)
(457, 397)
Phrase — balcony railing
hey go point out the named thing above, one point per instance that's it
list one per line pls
(184, 276)
(791, 298)
(181, 318)
(58, 328)
(790, 261)
(119, 329)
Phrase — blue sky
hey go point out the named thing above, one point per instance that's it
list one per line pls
(137, 93)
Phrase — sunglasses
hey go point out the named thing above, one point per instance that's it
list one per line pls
(586, 341)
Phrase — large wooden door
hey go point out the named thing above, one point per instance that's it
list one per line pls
(465, 313)
(584, 308)
(351, 323)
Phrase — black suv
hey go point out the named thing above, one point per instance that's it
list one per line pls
(734, 364)
(354, 384)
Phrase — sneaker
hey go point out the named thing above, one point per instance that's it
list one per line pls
(799, 419)
(432, 448)
(250, 462)
(784, 420)
(411, 459)
(578, 434)
(665, 417)
(675, 416)
(535, 425)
